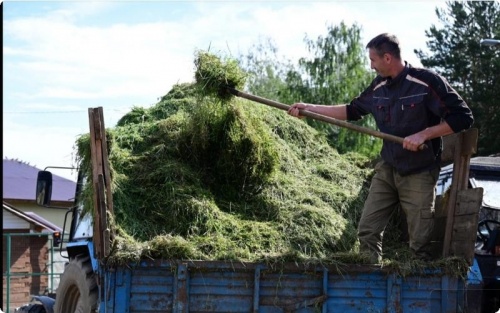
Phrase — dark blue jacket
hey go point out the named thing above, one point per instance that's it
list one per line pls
(414, 100)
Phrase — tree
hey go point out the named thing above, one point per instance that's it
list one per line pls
(336, 73)
(266, 70)
(473, 70)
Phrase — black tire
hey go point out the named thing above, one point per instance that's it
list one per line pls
(77, 291)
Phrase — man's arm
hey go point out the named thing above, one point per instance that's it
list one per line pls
(416, 140)
(336, 111)
(447, 103)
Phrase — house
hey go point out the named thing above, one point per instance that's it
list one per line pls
(31, 263)
(19, 187)
(28, 257)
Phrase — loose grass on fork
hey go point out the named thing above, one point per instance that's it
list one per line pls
(213, 75)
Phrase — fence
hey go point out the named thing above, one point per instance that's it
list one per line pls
(32, 266)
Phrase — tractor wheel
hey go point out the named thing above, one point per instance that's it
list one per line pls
(77, 291)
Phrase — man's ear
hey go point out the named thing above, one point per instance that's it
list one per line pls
(387, 57)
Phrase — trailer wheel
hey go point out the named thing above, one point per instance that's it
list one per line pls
(77, 291)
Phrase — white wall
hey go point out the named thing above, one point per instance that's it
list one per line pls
(11, 221)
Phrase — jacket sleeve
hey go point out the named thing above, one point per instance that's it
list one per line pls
(450, 105)
(362, 104)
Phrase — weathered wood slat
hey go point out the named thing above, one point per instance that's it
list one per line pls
(102, 195)
(462, 204)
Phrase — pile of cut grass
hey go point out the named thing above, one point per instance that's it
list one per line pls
(198, 179)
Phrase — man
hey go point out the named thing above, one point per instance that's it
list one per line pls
(420, 106)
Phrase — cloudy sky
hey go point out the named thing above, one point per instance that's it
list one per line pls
(61, 58)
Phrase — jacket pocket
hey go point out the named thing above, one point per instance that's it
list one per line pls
(411, 110)
(381, 111)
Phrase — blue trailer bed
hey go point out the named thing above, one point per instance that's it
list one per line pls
(201, 286)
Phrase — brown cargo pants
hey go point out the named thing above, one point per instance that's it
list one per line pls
(415, 193)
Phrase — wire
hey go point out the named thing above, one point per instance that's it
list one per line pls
(40, 112)
(56, 112)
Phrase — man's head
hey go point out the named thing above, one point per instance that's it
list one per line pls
(385, 55)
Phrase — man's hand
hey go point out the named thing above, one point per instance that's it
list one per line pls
(294, 109)
(414, 141)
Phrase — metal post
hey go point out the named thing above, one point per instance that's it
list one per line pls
(52, 264)
(8, 271)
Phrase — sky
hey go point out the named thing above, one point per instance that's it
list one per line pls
(61, 58)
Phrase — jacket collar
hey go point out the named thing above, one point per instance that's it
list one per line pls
(394, 81)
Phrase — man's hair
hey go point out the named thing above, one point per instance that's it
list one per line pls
(385, 43)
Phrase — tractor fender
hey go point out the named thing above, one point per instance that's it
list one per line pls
(47, 302)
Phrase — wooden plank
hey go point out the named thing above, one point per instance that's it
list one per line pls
(464, 249)
(103, 225)
(464, 144)
(465, 223)
(105, 163)
(469, 146)
(105, 184)
(93, 153)
(465, 228)
(449, 143)
(103, 200)
(469, 201)
(451, 200)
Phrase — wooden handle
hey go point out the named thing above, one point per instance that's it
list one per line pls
(331, 120)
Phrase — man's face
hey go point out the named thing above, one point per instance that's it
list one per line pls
(378, 63)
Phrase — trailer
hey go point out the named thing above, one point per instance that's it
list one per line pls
(90, 285)
(197, 286)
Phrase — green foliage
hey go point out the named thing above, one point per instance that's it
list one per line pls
(266, 71)
(473, 70)
(336, 73)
